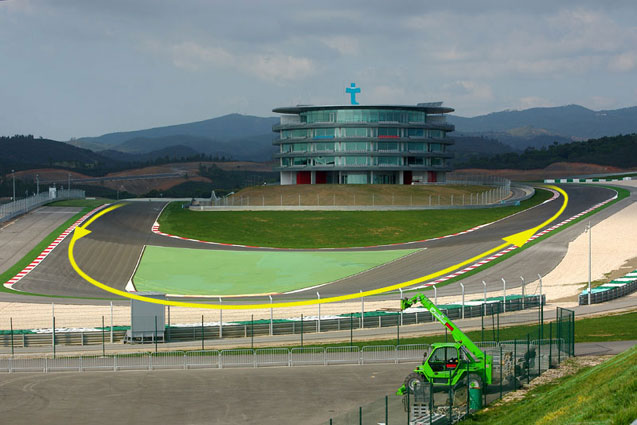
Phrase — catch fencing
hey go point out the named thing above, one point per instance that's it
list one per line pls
(265, 357)
(22, 206)
(489, 309)
(515, 363)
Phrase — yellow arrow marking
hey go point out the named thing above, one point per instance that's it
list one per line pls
(80, 232)
(521, 238)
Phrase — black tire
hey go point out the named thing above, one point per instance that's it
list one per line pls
(413, 379)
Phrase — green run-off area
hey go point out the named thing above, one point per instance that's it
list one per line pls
(317, 229)
(215, 272)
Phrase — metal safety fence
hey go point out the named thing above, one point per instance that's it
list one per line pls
(515, 362)
(22, 206)
(489, 310)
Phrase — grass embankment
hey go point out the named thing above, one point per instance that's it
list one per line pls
(87, 204)
(321, 229)
(604, 394)
(357, 194)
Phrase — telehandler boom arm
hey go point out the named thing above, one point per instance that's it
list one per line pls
(456, 333)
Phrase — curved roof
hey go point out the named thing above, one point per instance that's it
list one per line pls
(431, 108)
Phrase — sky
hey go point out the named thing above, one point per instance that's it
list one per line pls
(75, 68)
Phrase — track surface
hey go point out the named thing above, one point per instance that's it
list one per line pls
(111, 252)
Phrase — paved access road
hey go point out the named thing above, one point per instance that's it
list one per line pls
(17, 235)
(111, 252)
(264, 396)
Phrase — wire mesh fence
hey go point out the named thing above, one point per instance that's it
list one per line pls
(110, 324)
(514, 362)
(21, 206)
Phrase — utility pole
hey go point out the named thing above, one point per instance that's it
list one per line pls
(13, 173)
(37, 183)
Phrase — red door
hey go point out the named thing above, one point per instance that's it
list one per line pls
(304, 177)
(321, 177)
(432, 177)
(407, 177)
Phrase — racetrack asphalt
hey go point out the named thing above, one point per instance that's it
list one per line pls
(111, 252)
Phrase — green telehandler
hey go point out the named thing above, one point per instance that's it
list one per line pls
(447, 364)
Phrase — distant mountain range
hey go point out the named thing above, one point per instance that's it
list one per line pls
(248, 137)
(238, 136)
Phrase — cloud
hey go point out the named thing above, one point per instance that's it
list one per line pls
(623, 62)
(275, 67)
(533, 102)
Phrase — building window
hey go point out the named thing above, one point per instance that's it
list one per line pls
(299, 147)
(387, 146)
(416, 132)
(414, 160)
(355, 160)
(354, 146)
(286, 147)
(436, 162)
(436, 147)
(294, 134)
(356, 178)
(324, 147)
(353, 132)
(416, 147)
(324, 133)
(300, 161)
(388, 160)
(388, 132)
(325, 160)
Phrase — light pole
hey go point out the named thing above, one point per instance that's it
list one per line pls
(484, 302)
(37, 183)
(13, 173)
(588, 229)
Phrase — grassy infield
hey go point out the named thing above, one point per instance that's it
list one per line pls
(315, 229)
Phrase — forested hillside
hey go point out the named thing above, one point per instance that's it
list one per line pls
(619, 151)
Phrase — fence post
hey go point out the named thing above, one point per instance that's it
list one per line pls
(397, 330)
(271, 311)
(500, 371)
(523, 295)
(504, 292)
(318, 327)
(103, 339)
(301, 330)
(202, 334)
(362, 310)
(53, 337)
(401, 310)
(155, 338)
(515, 360)
(462, 286)
(484, 296)
(220, 319)
(11, 321)
(111, 322)
(351, 330)
(528, 360)
(550, 342)
(252, 331)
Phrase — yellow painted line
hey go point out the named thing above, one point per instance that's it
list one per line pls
(81, 231)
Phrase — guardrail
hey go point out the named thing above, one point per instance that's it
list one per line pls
(607, 292)
(220, 359)
(21, 206)
(270, 357)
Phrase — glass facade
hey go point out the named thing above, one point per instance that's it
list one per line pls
(380, 145)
